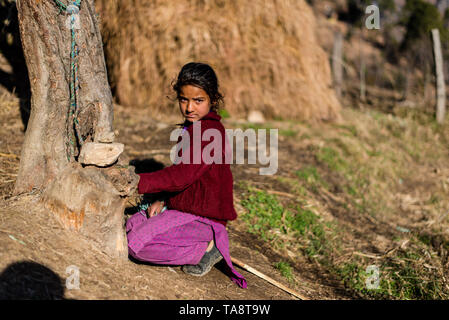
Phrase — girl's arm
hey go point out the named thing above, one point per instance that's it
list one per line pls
(178, 177)
(174, 178)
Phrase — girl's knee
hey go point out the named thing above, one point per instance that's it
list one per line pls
(135, 220)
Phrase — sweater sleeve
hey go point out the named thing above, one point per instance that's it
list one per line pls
(176, 177)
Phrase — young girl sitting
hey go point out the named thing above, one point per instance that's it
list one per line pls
(192, 230)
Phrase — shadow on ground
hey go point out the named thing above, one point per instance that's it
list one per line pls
(28, 280)
(146, 165)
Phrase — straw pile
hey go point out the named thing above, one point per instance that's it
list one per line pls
(264, 52)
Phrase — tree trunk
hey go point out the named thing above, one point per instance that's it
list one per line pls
(46, 44)
(48, 160)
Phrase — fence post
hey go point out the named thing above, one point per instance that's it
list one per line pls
(362, 69)
(337, 63)
(440, 85)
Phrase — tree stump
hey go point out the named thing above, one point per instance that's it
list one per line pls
(89, 200)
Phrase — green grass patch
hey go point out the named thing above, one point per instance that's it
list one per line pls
(357, 278)
(331, 158)
(311, 177)
(402, 276)
(363, 171)
(224, 113)
(348, 128)
(266, 217)
(308, 174)
(294, 185)
(288, 132)
(286, 270)
(265, 213)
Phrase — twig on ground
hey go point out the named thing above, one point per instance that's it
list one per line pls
(265, 277)
(150, 152)
(332, 196)
(366, 255)
(279, 193)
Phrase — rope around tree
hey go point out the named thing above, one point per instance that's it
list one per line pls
(72, 9)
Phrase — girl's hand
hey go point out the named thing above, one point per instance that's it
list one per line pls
(155, 208)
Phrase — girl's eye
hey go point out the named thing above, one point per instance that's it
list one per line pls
(199, 100)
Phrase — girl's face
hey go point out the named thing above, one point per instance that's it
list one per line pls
(194, 103)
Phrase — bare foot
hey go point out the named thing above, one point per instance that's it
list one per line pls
(211, 244)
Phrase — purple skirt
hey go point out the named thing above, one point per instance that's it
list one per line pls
(177, 238)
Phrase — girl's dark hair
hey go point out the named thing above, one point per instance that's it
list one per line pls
(203, 76)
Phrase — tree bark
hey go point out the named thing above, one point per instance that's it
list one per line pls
(46, 44)
(89, 200)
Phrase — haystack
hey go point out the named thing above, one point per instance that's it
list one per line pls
(265, 54)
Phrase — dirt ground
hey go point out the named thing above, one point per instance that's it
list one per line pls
(37, 255)
(36, 252)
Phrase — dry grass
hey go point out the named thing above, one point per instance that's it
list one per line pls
(10, 143)
(371, 190)
(381, 180)
(34, 241)
(373, 173)
(265, 54)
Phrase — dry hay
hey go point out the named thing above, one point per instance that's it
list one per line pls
(265, 54)
(10, 141)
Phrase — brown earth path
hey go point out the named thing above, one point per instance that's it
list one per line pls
(29, 233)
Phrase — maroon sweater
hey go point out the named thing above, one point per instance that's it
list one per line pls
(201, 189)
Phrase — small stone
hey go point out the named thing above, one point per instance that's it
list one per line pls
(100, 154)
(106, 137)
(255, 116)
(161, 126)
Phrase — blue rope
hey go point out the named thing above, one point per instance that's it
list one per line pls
(72, 9)
(143, 207)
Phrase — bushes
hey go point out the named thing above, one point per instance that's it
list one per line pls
(419, 18)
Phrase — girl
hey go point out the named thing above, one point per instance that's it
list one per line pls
(191, 231)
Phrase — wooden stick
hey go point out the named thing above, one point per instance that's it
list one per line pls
(270, 280)
(366, 255)
(150, 152)
(279, 193)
